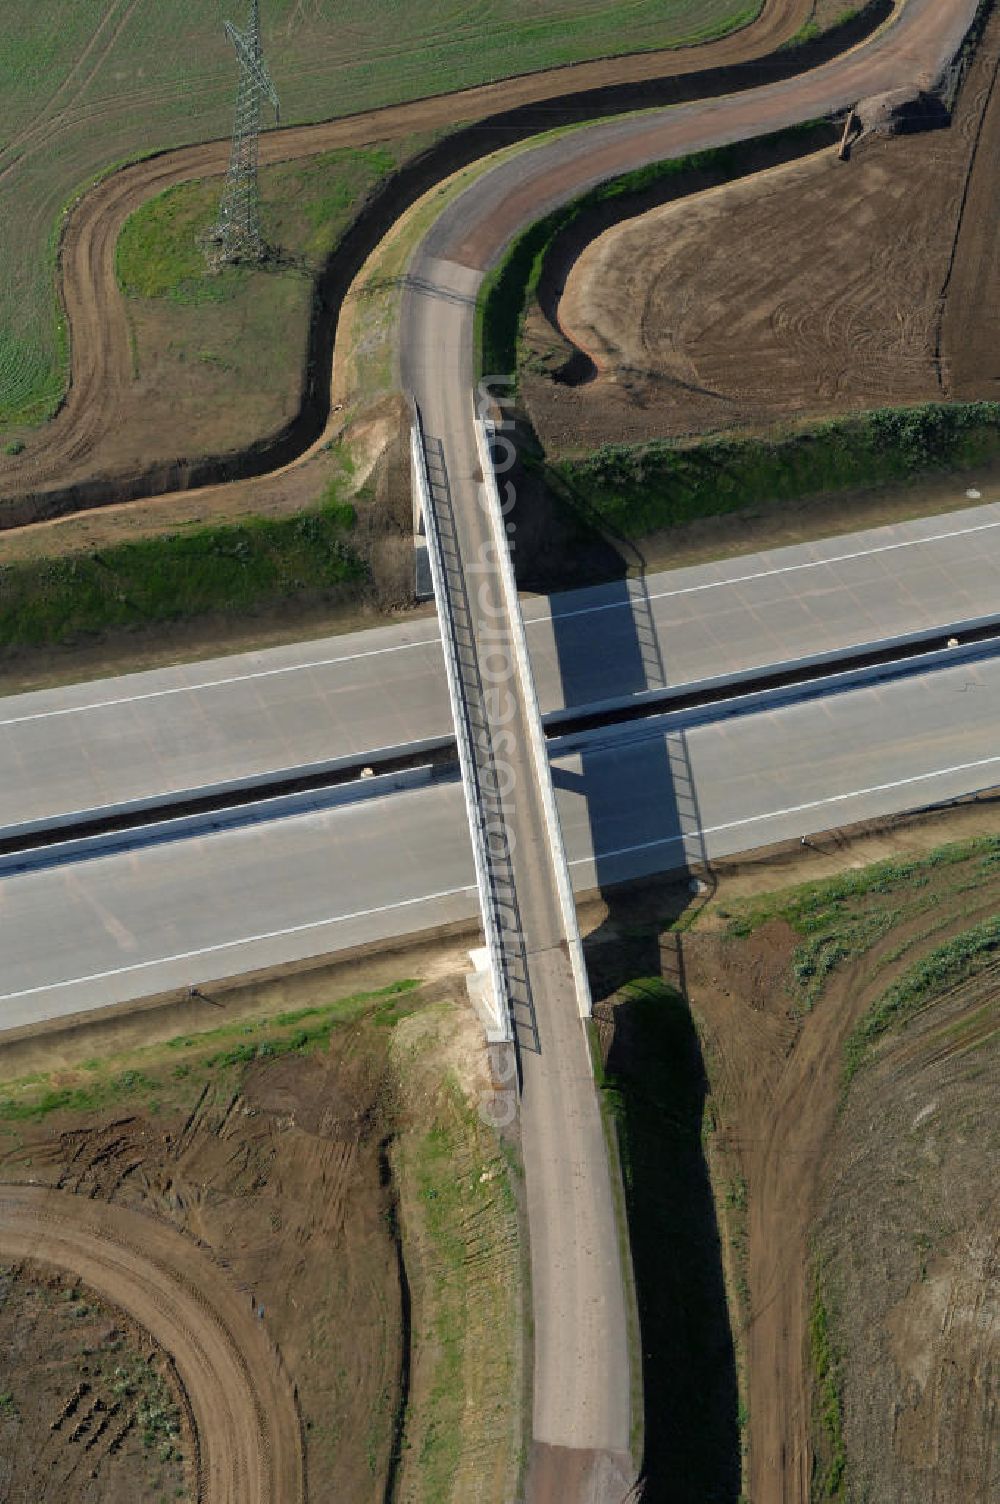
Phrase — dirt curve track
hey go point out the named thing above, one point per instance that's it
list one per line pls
(703, 314)
(71, 465)
(245, 1416)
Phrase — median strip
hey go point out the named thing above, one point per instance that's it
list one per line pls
(73, 836)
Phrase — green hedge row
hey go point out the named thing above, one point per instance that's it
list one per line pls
(639, 489)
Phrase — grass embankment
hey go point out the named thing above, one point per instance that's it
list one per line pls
(207, 330)
(839, 919)
(182, 1066)
(829, 1466)
(655, 1092)
(641, 489)
(228, 568)
(459, 1221)
(210, 330)
(946, 966)
(305, 207)
(825, 19)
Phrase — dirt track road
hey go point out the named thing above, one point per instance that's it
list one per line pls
(246, 1422)
(782, 1077)
(79, 442)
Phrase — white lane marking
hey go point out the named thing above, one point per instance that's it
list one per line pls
(792, 809)
(766, 574)
(189, 689)
(298, 929)
(529, 621)
(208, 950)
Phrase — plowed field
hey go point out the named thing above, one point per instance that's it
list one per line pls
(804, 291)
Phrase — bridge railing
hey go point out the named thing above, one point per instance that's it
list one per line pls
(476, 799)
(533, 719)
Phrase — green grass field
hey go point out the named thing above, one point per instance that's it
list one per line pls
(86, 85)
(197, 336)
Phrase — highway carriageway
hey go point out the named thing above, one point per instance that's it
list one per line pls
(305, 790)
(140, 922)
(322, 710)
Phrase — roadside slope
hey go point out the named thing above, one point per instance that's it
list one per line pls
(250, 1449)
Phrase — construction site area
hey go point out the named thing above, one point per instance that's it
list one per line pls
(298, 1199)
(710, 315)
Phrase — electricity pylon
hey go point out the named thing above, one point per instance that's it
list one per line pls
(237, 234)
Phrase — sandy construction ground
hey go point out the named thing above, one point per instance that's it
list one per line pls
(225, 1235)
(241, 1400)
(807, 290)
(890, 1186)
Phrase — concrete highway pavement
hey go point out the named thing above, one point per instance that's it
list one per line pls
(170, 730)
(85, 935)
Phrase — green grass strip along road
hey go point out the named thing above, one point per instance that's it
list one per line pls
(638, 489)
(228, 567)
(643, 488)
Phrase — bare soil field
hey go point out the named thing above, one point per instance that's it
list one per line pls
(910, 1198)
(807, 290)
(288, 1232)
(101, 1416)
(882, 1190)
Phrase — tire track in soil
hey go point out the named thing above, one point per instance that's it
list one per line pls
(78, 443)
(241, 1399)
(940, 365)
(45, 121)
(780, 1125)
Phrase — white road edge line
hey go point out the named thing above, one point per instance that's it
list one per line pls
(792, 809)
(190, 689)
(208, 950)
(661, 595)
(766, 574)
(296, 929)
